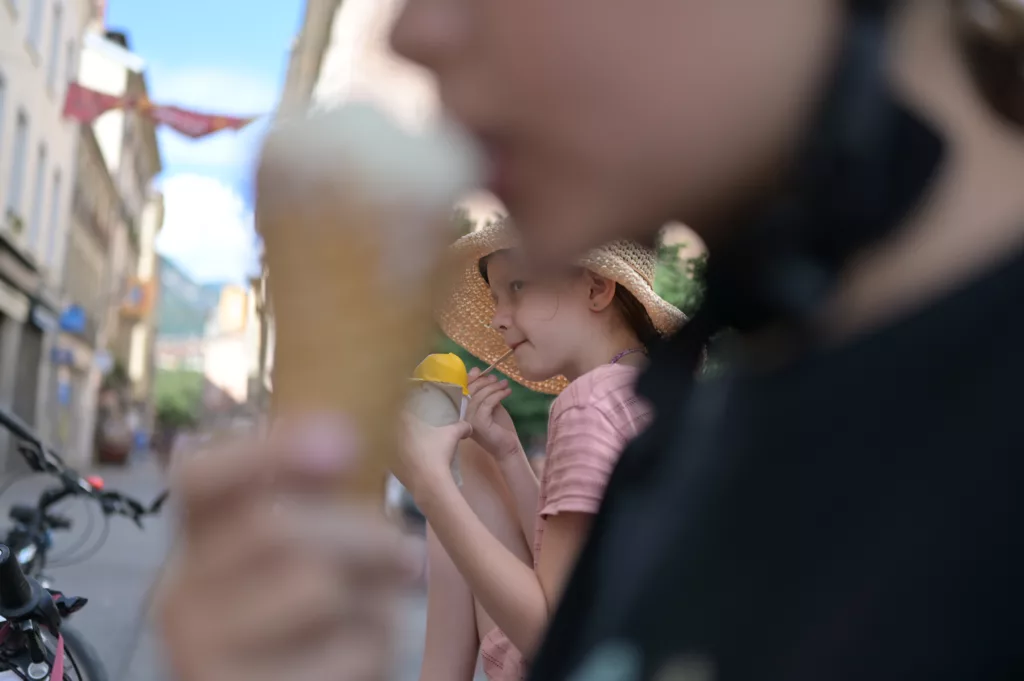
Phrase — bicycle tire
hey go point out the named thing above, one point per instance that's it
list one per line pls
(87, 660)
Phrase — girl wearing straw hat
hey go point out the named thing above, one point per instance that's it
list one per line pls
(502, 548)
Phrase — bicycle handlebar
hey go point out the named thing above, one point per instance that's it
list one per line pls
(37, 461)
(16, 593)
(43, 459)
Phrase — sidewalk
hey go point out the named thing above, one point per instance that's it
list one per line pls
(116, 579)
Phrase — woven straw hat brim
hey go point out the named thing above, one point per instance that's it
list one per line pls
(467, 315)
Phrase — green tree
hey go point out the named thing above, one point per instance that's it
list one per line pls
(679, 281)
(118, 378)
(683, 283)
(179, 397)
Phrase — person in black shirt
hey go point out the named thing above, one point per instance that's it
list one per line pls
(844, 503)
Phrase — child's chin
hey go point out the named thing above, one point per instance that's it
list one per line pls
(536, 374)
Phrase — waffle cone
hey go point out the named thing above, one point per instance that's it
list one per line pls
(354, 275)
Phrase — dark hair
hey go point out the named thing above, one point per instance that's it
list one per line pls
(481, 267)
(991, 34)
(636, 316)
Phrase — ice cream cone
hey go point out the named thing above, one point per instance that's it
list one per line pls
(440, 394)
(355, 216)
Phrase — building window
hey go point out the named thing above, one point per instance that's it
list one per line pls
(70, 76)
(35, 23)
(53, 63)
(35, 223)
(3, 103)
(17, 177)
(55, 214)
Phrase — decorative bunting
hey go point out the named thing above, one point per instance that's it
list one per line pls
(85, 105)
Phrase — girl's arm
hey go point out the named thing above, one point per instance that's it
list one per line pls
(525, 488)
(452, 642)
(494, 433)
(518, 599)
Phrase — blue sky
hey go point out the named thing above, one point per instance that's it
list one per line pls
(218, 56)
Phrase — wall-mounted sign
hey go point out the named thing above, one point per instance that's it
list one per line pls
(44, 319)
(138, 300)
(62, 356)
(73, 319)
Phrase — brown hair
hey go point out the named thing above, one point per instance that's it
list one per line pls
(635, 315)
(991, 34)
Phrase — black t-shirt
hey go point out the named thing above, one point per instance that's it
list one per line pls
(856, 515)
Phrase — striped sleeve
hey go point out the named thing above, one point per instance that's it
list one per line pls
(583, 448)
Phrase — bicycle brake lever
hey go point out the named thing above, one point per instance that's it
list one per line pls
(108, 505)
(68, 605)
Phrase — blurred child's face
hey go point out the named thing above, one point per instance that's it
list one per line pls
(604, 119)
(545, 319)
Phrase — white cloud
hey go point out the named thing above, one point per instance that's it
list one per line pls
(207, 229)
(217, 91)
(226, 150)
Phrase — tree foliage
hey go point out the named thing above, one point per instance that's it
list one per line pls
(179, 397)
(679, 281)
(683, 282)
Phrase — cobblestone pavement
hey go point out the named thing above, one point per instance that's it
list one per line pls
(116, 579)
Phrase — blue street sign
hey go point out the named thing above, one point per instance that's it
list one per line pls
(73, 319)
(64, 393)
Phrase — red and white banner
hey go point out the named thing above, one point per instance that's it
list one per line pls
(85, 105)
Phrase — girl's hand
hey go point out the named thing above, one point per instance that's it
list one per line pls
(273, 577)
(492, 426)
(425, 460)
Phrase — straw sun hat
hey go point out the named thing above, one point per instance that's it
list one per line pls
(466, 316)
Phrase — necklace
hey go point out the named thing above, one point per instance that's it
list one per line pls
(626, 353)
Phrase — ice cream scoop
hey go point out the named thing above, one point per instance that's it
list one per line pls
(440, 390)
(440, 393)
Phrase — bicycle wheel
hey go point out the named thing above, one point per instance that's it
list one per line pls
(81, 662)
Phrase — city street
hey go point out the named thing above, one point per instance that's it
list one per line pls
(117, 578)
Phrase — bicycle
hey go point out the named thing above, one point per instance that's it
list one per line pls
(34, 641)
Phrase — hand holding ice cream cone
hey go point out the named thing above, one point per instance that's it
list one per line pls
(285, 535)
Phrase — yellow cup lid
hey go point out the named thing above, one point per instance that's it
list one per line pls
(443, 368)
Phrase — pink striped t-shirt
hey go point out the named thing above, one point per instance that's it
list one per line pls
(590, 424)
